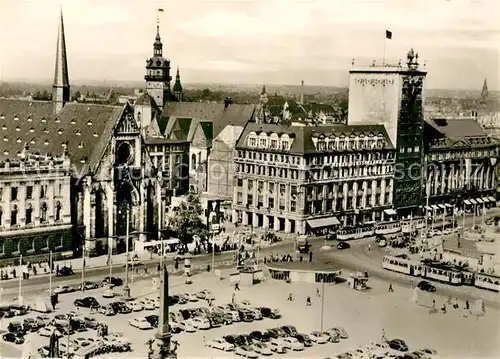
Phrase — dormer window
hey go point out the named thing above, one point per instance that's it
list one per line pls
(60, 131)
(96, 134)
(57, 120)
(80, 145)
(78, 133)
(2, 117)
(83, 160)
(64, 145)
(73, 121)
(18, 140)
(32, 130)
(46, 142)
(6, 153)
(4, 128)
(89, 123)
(18, 129)
(45, 130)
(32, 141)
(16, 118)
(29, 119)
(5, 139)
(252, 141)
(44, 120)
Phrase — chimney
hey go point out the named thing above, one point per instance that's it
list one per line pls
(302, 92)
(228, 101)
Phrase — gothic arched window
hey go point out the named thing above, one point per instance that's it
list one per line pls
(43, 212)
(29, 214)
(193, 161)
(58, 211)
(13, 216)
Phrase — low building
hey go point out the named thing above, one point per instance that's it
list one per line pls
(312, 179)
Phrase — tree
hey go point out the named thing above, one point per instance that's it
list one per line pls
(187, 221)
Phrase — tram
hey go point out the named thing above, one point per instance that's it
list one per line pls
(389, 227)
(366, 229)
(402, 265)
(442, 273)
(412, 225)
(487, 281)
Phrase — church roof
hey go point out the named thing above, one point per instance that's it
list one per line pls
(218, 114)
(84, 130)
(146, 99)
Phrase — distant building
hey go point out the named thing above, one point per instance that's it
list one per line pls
(484, 92)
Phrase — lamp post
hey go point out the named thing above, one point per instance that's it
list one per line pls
(50, 273)
(21, 273)
(69, 334)
(83, 266)
(322, 302)
(127, 288)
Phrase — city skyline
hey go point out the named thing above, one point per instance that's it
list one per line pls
(274, 42)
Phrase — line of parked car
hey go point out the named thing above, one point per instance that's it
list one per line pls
(393, 349)
(275, 340)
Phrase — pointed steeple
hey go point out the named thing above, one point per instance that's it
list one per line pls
(484, 92)
(60, 87)
(158, 46)
(177, 86)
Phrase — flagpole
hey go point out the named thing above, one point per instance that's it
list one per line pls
(385, 46)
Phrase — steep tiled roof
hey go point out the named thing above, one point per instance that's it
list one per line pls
(221, 116)
(181, 128)
(83, 129)
(302, 135)
(208, 129)
(145, 99)
(461, 132)
(230, 135)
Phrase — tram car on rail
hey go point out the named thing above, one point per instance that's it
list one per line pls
(487, 281)
(412, 225)
(366, 229)
(389, 227)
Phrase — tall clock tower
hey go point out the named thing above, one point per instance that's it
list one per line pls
(158, 73)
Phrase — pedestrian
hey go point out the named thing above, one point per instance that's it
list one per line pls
(390, 288)
(310, 256)
(384, 338)
(467, 305)
(290, 298)
(236, 286)
(318, 293)
(158, 268)
(433, 304)
(449, 300)
(369, 247)
(233, 297)
(308, 301)
(443, 308)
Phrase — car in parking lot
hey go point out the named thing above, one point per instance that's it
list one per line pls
(42, 320)
(136, 306)
(15, 338)
(89, 286)
(187, 326)
(289, 330)
(260, 336)
(262, 348)
(149, 305)
(89, 321)
(426, 286)
(61, 289)
(107, 310)
(293, 343)
(398, 344)
(277, 346)
(87, 302)
(30, 324)
(341, 332)
(319, 338)
(112, 281)
(65, 271)
(333, 336)
(270, 313)
(220, 344)
(140, 323)
(304, 339)
(48, 330)
(257, 314)
(121, 307)
(153, 320)
(16, 327)
(246, 351)
(201, 323)
(205, 294)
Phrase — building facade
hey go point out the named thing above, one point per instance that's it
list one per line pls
(35, 215)
(309, 179)
(461, 163)
(393, 96)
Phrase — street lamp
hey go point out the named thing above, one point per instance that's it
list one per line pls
(127, 288)
(322, 301)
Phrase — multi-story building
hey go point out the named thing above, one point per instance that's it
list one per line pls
(392, 96)
(461, 163)
(309, 179)
(35, 215)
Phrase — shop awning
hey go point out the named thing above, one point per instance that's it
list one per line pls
(467, 202)
(441, 206)
(323, 222)
(449, 205)
(428, 208)
(390, 212)
(171, 241)
(485, 200)
(434, 207)
(472, 201)
(479, 200)
(492, 199)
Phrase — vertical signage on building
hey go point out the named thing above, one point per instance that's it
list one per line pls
(213, 215)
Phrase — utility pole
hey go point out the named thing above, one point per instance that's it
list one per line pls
(322, 302)
(50, 272)
(127, 289)
(83, 266)
(21, 273)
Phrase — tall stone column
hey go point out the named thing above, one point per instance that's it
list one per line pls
(344, 200)
(86, 207)
(442, 170)
(110, 203)
(355, 189)
(382, 192)
(391, 191)
(266, 221)
(142, 211)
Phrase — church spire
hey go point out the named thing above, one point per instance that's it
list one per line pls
(484, 92)
(158, 46)
(177, 85)
(60, 87)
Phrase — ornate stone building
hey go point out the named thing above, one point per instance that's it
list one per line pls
(461, 162)
(72, 174)
(310, 179)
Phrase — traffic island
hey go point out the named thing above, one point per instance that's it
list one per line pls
(304, 272)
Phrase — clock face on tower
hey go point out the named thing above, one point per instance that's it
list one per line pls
(124, 154)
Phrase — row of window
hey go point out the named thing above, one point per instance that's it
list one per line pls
(329, 205)
(334, 173)
(272, 141)
(450, 155)
(28, 245)
(43, 192)
(415, 149)
(294, 160)
(271, 187)
(348, 187)
(268, 171)
(28, 219)
(269, 204)
(346, 144)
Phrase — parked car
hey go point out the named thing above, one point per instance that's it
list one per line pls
(304, 339)
(121, 307)
(333, 336)
(188, 326)
(270, 313)
(19, 310)
(289, 330)
(153, 320)
(398, 344)
(108, 293)
(87, 302)
(90, 322)
(61, 289)
(13, 338)
(205, 294)
(277, 346)
(48, 330)
(257, 314)
(293, 343)
(149, 305)
(89, 286)
(220, 344)
(114, 281)
(426, 286)
(246, 351)
(231, 339)
(42, 320)
(343, 245)
(201, 323)
(341, 332)
(140, 323)
(262, 349)
(107, 310)
(136, 306)
(65, 271)
(16, 327)
(175, 327)
(30, 324)
(260, 336)
(319, 338)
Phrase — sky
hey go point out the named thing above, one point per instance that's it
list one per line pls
(253, 41)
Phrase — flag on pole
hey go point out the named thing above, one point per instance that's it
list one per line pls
(388, 34)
